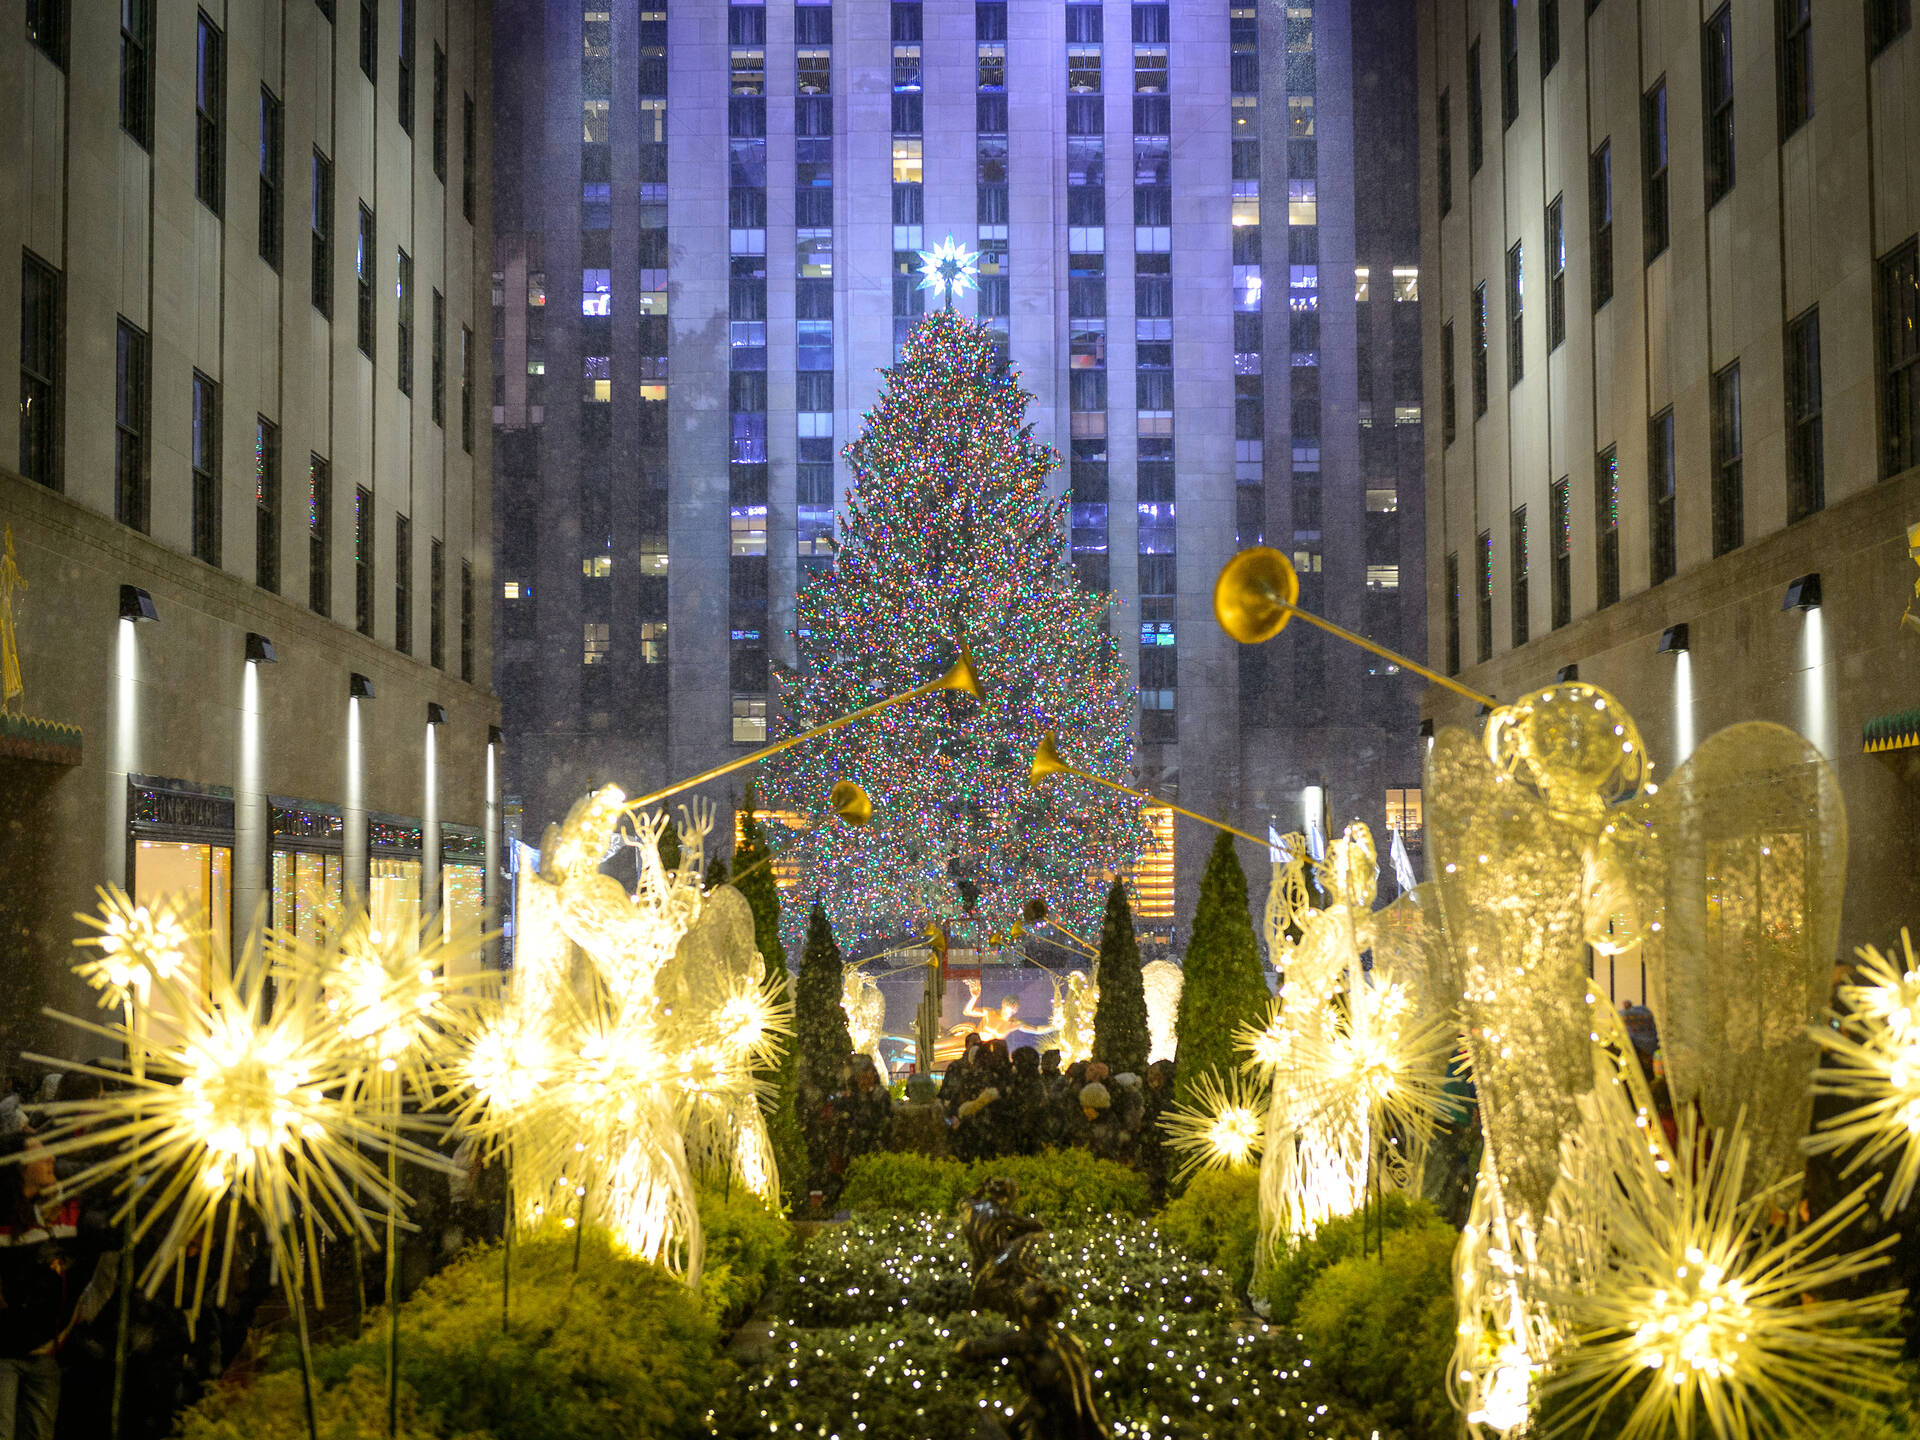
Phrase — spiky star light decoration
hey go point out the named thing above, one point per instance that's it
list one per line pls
(1222, 1128)
(245, 1107)
(137, 944)
(1706, 1301)
(1874, 1058)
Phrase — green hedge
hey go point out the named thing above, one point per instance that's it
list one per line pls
(1218, 1221)
(747, 1247)
(273, 1406)
(1055, 1186)
(1296, 1267)
(621, 1349)
(1380, 1328)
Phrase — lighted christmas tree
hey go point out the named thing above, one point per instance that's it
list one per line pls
(951, 537)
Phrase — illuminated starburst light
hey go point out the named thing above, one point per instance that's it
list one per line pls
(949, 268)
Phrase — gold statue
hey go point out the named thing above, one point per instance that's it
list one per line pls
(11, 580)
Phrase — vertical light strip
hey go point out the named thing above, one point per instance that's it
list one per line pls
(126, 755)
(249, 813)
(1816, 705)
(353, 816)
(1683, 734)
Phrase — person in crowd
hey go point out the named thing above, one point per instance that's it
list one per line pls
(45, 1292)
(1149, 1145)
(996, 1063)
(865, 1111)
(1024, 1117)
(1099, 1130)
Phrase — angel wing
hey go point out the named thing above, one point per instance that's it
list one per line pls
(1754, 834)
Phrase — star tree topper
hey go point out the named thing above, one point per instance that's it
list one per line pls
(949, 269)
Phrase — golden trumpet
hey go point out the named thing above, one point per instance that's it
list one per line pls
(850, 803)
(1258, 592)
(959, 676)
(1047, 761)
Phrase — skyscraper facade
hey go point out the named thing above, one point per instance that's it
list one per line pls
(739, 195)
(1672, 254)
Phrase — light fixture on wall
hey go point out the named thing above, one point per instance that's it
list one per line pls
(1426, 728)
(260, 650)
(494, 736)
(1567, 674)
(436, 713)
(1803, 593)
(359, 687)
(136, 604)
(1674, 640)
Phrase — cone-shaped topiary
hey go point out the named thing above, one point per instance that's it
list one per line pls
(1225, 986)
(669, 848)
(753, 878)
(820, 1024)
(1120, 1037)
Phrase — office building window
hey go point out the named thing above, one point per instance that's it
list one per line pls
(266, 504)
(363, 560)
(136, 70)
(1653, 168)
(1729, 521)
(1661, 534)
(1887, 21)
(1443, 146)
(439, 371)
(1556, 274)
(439, 114)
(437, 604)
(39, 370)
(206, 469)
(1475, 120)
(363, 277)
(1517, 574)
(1600, 215)
(1479, 350)
(1483, 596)
(466, 621)
(319, 535)
(132, 399)
(1516, 330)
(1716, 63)
(466, 389)
(1453, 612)
(1795, 57)
(466, 157)
(1549, 36)
(1900, 358)
(270, 171)
(47, 29)
(403, 584)
(750, 719)
(1560, 550)
(322, 234)
(406, 65)
(1806, 463)
(370, 39)
(209, 98)
(403, 296)
(1448, 388)
(1606, 527)
(1509, 62)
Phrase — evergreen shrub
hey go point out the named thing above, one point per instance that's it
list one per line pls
(1218, 1220)
(1055, 1185)
(1225, 986)
(1295, 1267)
(272, 1407)
(1380, 1328)
(747, 1248)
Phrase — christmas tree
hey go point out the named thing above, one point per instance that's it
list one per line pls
(951, 538)
(1225, 986)
(753, 877)
(1120, 1037)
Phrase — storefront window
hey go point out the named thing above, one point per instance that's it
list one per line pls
(393, 897)
(463, 911)
(198, 876)
(307, 891)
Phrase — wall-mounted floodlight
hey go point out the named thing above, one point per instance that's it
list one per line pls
(1803, 594)
(1674, 640)
(1426, 729)
(136, 604)
(260, 650)
(359, 687)
(436, 713)
(1567, 674)
(494, 735)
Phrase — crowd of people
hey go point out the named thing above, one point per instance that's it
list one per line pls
(992, 1101)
